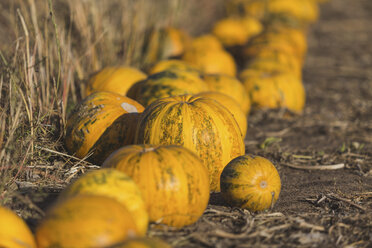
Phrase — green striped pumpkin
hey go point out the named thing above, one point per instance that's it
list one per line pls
(173, 181)
(102, 123)
(200, 124)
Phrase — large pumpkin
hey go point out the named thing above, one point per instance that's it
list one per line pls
(102, 123)
(274, 89)
(114, 79)
(165, 84)
(14, 232)
(85, 221)
(173, 181)
(250, 182)
(115, 184)
(197, 123)
(230, 86)
(231, 105)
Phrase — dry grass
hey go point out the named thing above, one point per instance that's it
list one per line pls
(47, 50)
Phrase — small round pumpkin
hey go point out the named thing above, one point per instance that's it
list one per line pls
(305, 10)
(165, 84)
(200, 124)
(274, 89)
(102, 123)
(173, 64)
(142, 242)
(203, 42)
(250, 182)
(114, 79)
(85, 221)
(231, 105)
(173, 181)
(115, 184)
(14, 232)
(230, 86)
(211, 61)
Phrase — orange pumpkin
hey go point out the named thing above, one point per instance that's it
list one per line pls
(14, 232)
(85, 221)
(197, 123)
(115, 184)
(250, 182)
(230, 86)
(114, 79)
(231, 105)
(102, 123)
(173, 181)
(165, 84)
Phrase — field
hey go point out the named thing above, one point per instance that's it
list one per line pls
(324, 156)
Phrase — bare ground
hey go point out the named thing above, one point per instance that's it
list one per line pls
(316, 208)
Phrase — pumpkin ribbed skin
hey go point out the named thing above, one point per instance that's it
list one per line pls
(115, 184)
(14, 232)
(230, 86)
(103, 122)
(114, 79)
(166, 84)
(174, 64)
(199, 124)
(275, 89)
(231, 105)
(85, 221)
(142, 242)
(250, 182)
(173, 181)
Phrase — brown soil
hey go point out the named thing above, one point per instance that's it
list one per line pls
(316, 208)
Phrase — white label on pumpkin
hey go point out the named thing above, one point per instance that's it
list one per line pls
(129, 107)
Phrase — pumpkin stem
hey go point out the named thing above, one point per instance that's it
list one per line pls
(272, 199)
(263, 184)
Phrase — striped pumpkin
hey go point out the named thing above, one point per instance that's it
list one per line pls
(250, 182)
(14, 232)
(197, 123)
(115, 184)
(165, 84)
(102, 123)
(85, 221)
(173, 181)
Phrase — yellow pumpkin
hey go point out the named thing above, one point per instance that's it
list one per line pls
(250, 182)
(204, 42)
(211, 61)
(231, 105)
(85, 221)
(165, 84)
(102, 123)
(305, 10)
(173, 181)
(174, 64)
(230, 86)
(114, 79)
(231, 32)
(14, 232)
(274, 89)
(115, 184)
(142, 242)
(197, 123)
